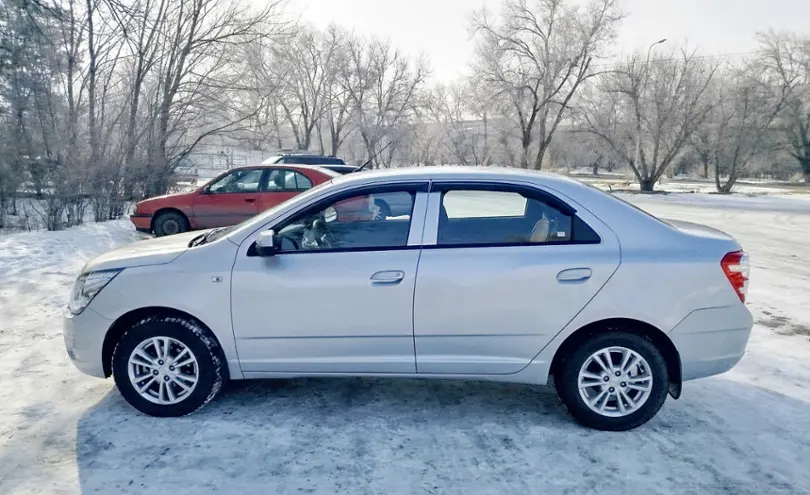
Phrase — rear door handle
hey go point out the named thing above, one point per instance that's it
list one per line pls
(574, 275)
(388, 277)
(250, 200)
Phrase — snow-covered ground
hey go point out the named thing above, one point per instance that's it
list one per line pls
(747, 431)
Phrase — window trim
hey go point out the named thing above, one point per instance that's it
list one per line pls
(416, 188)
(529, 192)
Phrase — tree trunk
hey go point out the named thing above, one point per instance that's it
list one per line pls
(524, 156)
(538, 160)
(646, 185)
(805, 164)
(721, 188)
(596, 167)
(705, 169)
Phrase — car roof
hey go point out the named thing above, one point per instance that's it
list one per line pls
(456, 173)
(275, 165)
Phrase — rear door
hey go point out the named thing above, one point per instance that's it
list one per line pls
(503, 269)
(279, 185)
(229, 199)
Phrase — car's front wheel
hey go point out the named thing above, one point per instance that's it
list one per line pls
(614, 381)
(168, 367)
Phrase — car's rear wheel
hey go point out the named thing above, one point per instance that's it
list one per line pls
(168, 367)
(614, 381)
(170, 223)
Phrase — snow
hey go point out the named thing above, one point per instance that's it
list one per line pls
(747, 431)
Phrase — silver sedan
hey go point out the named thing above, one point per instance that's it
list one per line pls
(483, 274)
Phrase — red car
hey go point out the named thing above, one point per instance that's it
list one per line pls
(228, 199)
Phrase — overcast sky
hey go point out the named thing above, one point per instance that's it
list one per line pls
(439, 27)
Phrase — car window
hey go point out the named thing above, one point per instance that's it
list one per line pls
(238, 181)
(483, 204)
(286, 180)
(356, 222)
(481, 217)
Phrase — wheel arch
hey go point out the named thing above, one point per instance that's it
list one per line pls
(127, 320)
(168, 209)
(658, 338)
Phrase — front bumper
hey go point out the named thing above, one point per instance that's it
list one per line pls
(84, 338)
(141, 221)
(712, 341)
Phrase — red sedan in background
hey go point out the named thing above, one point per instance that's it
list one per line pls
(228, 199)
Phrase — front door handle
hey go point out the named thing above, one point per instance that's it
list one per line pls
(574, 275)
(250, 200)
(388, 277)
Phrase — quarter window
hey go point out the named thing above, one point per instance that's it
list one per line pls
(356, 222)
(490, 217)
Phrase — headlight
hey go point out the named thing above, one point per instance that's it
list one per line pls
(86, 288)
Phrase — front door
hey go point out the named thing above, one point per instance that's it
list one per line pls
(229, 199)
(501, 273)
(337, 297)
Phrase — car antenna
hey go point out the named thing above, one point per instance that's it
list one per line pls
(373, 157)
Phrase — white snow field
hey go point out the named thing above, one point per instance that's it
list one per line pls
(745, 432)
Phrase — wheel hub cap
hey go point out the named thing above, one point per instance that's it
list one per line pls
(615, 381)
(163, 370)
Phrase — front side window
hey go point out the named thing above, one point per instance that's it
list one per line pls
(349, 223)
(494, 217)
(286, 180)
(238, 181)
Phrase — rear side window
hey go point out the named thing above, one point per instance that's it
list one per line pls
(280, 180)
(495, 217)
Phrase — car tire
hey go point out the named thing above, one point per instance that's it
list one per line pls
(617, 413)
(170, 223)
(384, 209)
(178, 395)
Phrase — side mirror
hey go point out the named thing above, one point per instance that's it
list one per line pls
(266, 243)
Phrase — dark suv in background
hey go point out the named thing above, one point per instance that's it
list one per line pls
(332, 163)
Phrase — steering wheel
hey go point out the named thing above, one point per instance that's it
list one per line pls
(323, 237)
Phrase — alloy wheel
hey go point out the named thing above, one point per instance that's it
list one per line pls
(163, 370)
(615, 381)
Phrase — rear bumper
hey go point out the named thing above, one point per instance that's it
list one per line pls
(142, 222)
(712, 341)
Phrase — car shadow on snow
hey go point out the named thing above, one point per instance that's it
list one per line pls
(419, 436)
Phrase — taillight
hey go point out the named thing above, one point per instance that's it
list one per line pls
(735, 266)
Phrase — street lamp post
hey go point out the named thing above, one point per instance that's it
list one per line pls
(640, 98)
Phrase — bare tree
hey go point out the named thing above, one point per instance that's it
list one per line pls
(738, 127)
(192, 78)
(382, 85)
(462, 116)
(303, 68)
(535, 56)
(786, 59)
(675, 104)
(339, 89)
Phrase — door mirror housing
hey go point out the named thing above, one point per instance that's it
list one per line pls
(266, 243)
